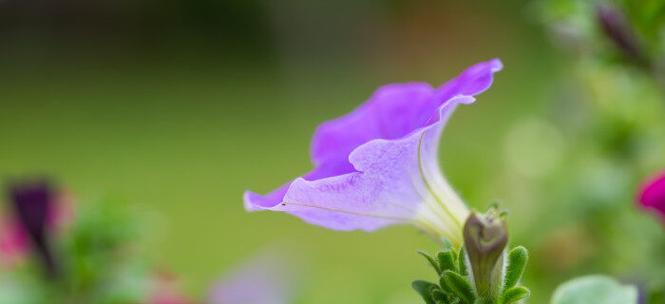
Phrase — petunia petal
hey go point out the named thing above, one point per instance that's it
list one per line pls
(378, 165)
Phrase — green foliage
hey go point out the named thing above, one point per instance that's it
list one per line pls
(99, 256)
(426, 290)
(617, 140)
(514, 295)
(461, 262)
(456, 287)
(594, 289)
(657, 295)
(431, 261)
(448, 260)
(517, 259)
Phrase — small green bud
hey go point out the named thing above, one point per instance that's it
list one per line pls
(485, 240)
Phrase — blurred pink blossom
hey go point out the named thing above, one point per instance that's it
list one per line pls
(14, 240)
(652, 194)
(13, 244)
(166, 290)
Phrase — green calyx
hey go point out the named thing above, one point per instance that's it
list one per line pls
(475, 273)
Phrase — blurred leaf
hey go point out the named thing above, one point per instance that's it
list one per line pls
(595, 289)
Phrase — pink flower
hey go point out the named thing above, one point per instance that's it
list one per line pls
(166, 290)
(13, 244)
(652, 195)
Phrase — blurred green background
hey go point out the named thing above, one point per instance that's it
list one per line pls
(177, 107)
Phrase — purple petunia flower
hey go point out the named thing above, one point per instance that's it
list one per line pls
(652, 195)
(266, 279)
(378, 165)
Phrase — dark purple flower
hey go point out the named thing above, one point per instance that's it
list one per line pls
(619, 31)
(652, 195)
(378, 165)
(33, 204)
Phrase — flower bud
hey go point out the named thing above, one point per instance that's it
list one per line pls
(619, 31)
(485, 240)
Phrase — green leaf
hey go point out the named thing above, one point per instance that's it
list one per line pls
(439, 297)
(513, 295)
(425, 290)
(656, 296)
(431, 261)
(594, 289)
(517, 259)
(459, 286)
(444, 287)
(447, 261)
(461, 262)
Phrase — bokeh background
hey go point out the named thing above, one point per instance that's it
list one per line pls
(176, 107)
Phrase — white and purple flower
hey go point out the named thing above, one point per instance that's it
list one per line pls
(378, 165)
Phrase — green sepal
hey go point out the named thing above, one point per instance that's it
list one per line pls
(425, 289)
(485, 301)
(461, 262)
(447, 261)
(444, 286)
(440, 297)
(459, 286)
(517, 259)
(431, 261)
(514, 295)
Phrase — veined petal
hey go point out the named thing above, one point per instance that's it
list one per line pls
(378, 165)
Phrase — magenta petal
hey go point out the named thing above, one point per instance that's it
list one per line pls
(378, 165)
(652, 195)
